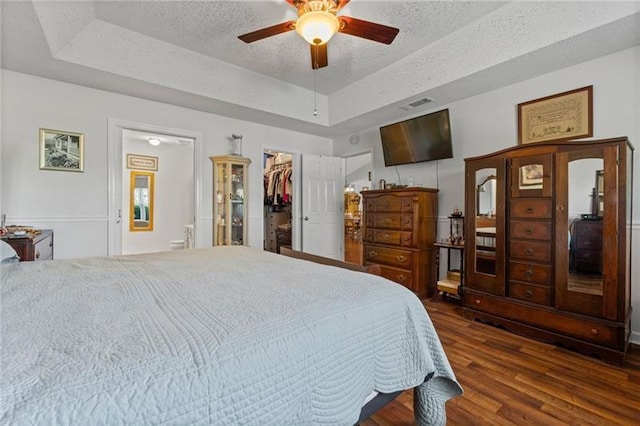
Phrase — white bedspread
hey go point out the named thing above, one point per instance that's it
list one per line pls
(224, 336)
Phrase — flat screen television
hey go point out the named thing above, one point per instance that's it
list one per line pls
(418, 139)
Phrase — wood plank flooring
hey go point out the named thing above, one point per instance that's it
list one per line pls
(513, 380)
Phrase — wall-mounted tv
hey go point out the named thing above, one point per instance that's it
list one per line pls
(418, 139)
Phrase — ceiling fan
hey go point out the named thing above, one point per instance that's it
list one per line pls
(317, 23)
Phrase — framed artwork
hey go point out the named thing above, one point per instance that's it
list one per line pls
(531, 176)
(61, 150)
(560, 117)
(142, 162)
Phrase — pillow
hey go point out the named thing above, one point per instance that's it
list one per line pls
(7, 253)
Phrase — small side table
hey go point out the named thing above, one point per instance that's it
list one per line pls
(32, 248)
(452, 284)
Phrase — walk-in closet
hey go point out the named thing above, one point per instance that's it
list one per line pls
(278, 199)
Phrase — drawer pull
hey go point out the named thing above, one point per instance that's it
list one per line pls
(387, 221)
(528, 251)
(594, 331)
(373, 253)
(528, 293)
(386, 237)
(477, 301)
(402, 259)
(528, 271)
(402, 278)
(529, 231)
(529, 209)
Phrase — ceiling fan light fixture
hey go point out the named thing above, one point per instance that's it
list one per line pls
(317, 27)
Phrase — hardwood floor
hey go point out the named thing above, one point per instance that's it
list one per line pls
(353, 250)
(513, 380)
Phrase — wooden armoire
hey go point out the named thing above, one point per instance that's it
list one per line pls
(548, 248)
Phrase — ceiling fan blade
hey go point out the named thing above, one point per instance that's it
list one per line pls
(369, 30)
(268, 32)
(341, 3)
(319, 57)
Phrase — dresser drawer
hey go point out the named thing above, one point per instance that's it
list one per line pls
(588, 261)
(530, 250)
(43, 249)
(398, 238)
(390, 221)
(589, 238)
(530, 272)
(401, 276)
(537, 208)
(544, 318)
(531, 230)
(390, 204)
(388, 256)
(531, 293)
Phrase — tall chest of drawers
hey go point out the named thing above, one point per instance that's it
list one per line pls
(399, 230)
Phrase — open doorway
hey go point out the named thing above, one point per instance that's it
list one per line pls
(278, 200)
(169, 178)
(168, 203)
(357, 179)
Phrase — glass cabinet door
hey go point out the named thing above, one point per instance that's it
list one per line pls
(229, 200)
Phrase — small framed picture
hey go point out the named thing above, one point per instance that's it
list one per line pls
(142, 162)
(61, 150)
(531, 176)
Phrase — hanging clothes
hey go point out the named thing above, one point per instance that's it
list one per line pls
(278, 185)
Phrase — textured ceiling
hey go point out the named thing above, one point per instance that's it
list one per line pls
(187, 53)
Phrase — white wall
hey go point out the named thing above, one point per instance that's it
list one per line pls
(488, 122)
(75, 205)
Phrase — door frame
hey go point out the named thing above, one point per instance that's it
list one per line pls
(114, 176)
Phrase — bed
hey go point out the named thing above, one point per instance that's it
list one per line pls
(222, 335)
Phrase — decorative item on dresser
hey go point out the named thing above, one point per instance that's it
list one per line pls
(536, 267)
(229, 199)
(32, 246)
(399, 232)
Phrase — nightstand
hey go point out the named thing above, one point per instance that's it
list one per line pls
(35, 248)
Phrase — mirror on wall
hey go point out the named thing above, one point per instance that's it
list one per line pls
(485, 222)
(585, 218)
(141, 201)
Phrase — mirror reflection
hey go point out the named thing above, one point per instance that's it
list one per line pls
(141, 201)
(486, 196)
(485, 253)
(585, 213)
(531, 176)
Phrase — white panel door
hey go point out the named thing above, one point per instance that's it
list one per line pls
(322, 206)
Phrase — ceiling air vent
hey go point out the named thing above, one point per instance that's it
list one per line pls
(416, 104)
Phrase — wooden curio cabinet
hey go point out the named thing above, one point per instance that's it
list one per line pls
(548, 247)
(229, 200)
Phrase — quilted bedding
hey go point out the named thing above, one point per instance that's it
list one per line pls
(223, 335)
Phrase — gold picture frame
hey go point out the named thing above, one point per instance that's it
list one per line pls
(142, 162)
(61, 150)
(560, 117)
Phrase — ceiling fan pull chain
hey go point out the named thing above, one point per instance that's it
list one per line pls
(315, 84)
